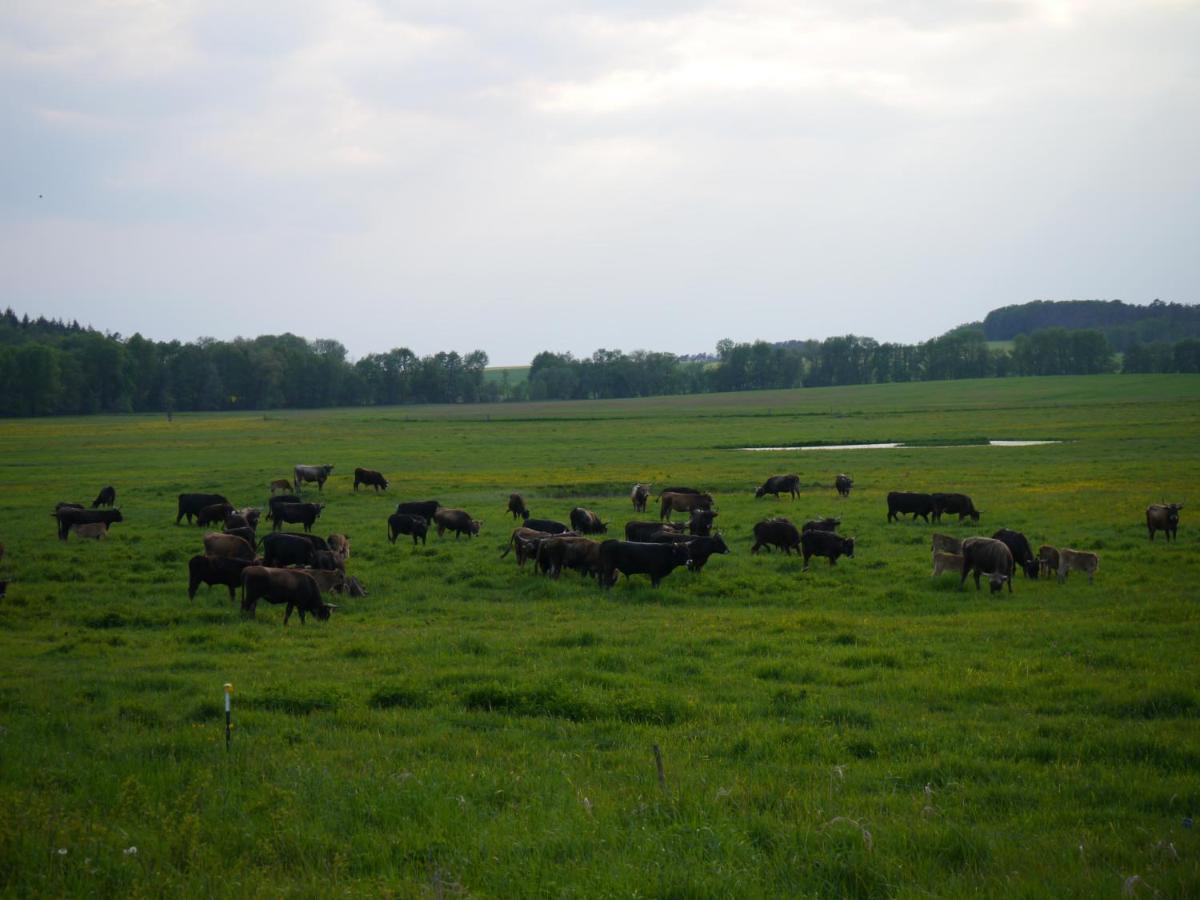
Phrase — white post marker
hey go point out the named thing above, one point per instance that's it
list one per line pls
(228, 717)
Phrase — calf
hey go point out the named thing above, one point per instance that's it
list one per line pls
(641, 531)
(1163, 517)
(228, 546)
(191, 504)
(213, 513)
(780, 533)
(106, 497)
(291, 586)
(778, 484)
(215, 570)
(655, 560)
(371, 478)
(403, 523)
(330, 581)
(516, 506)
(987, 556)
(944, 543)
(298, 513)
(69, 515)
(280, 484)
(1020, 549)
(1076, 561)
(92, 530)
(843, 483)
(1047, 560)
(586, 522)
(457, 520)
(946, 562)
(825, 543)
(340, 544)
(954, 503)
(639, 495)
(902, 502)
(700, 522)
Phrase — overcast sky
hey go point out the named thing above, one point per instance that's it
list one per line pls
(572, 175)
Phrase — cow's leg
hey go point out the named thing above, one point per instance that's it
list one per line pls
(231, 594)
(833, 560)
(976, 578)
(287, 614)
(1010, 582)
(806, 556)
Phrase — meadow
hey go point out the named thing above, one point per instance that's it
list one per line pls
(469, 729)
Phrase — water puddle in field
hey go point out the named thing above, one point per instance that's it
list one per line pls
(895, 445)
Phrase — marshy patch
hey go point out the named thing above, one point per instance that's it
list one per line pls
(931, 444)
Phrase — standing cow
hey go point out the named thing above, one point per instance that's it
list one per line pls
(901, 502)
(516, 506)
(106, 497)
(304, 474)
(1163, 517)
(639, 495)
(675, 501)
(291, 586)
(843, 483)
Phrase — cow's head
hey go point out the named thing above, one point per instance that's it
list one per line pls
(996, 581)
(322, 612)
(975, 515)
(603, 526)
(758, 492)
(1031, 567)
(719, 543)
(475, 526)
(116, 515)
(848, 547)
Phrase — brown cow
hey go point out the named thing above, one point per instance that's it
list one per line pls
(294, 587)
(1163, 517)
(675, 502)
(525, 541)
(340, 544)
(281, 484)
(457, 520)
(92, 530)
(1047, 560)
(944, 543)
(946, 562)
(1078, 561)
(516, 506)
(990, 557)
(229, 546)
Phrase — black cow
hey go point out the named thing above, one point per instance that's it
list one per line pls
(403, 523)
(954, 503)
(827, 524)
(191, 504)
(328, 560)
(1163, 517)
(778, 532)
(549, 526)
(299, 513)
(1022, 553)
(423, 508)
(63, 504)
(106, 497)
(370, 478)
(700, 522)
(900, 502)
(587, 522)
(315, 540)
(701, 548)
(843, 483)
(215, 570)
(679, 490)
(457, 520)
(641, 531)
(778, 484)
(516, 506)
(287, 550)
(297, 589)
(655, 560)
(71, 515)
(827, 544)
(213, 513)
(989, 556)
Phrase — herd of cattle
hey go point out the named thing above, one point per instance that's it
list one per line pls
(296, 568)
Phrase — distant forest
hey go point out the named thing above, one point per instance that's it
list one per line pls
(1123, 324)
(50, 367)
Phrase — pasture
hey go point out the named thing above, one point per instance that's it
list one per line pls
(469, 729)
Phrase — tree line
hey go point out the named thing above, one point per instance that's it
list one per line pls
(49, 367)
(1123, 324)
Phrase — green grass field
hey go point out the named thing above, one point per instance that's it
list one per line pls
(469, 729)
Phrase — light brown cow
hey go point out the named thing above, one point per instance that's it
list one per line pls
(281, 484)
(944, 543)
(229, 546)
(674, 502)
(340, 544)
(329, 581)
(525, 541)
(946, 562)
(1076, 561)
(1047, 560)
(92, 530)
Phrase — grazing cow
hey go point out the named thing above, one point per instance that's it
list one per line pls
(526, 542)
(829, 523)
(989, 557)
(250, 514)
(457, 520)
(106, 497)
(954, 503)
(553, 552)
(228, 546)
(93, 530)
(369, 477)
(191, 504)
(843, 483)
(307, 474)
(280, 484)
(1163, 517)
(700, 523)
(423, 508)
(587, 522)
(901, 502)
(655, 560)
(1020, 549)
(673, 501)
(1048, 560)
(215, 570)
(330, 581)
(778, 484)
(327, 559)
(236, 520)
(944, 543)
(641, 531)
(70, 515)
(779, 532)
(516, 506)
(340, 544)
(213, 513)
(355, 588)
(825, 543)
(246, 534)
(403, 523)
(701, 548)
(1076, 561)
(639, 495)
(946, 562)
(295, 588)
(297, 513)
(288, 550)
(547, 525)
